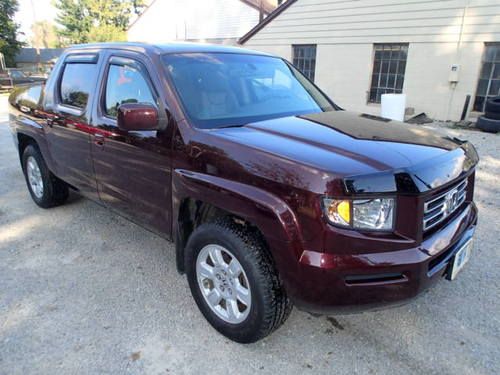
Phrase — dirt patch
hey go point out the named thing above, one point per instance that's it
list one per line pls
(135, 356)
(335, 323)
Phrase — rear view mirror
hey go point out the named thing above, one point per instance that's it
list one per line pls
(137, 116)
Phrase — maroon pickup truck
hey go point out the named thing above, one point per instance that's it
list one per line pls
(273, 194)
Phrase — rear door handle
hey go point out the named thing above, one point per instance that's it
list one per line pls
(99, 139)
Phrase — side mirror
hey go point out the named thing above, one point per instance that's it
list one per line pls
(137, 116)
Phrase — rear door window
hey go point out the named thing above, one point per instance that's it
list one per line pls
(126, 84)
(77, 82)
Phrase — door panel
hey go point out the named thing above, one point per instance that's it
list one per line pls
(134, 176)
(133, 169)
(68, 129)
(69, 143)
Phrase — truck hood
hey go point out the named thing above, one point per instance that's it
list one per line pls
(370, 153)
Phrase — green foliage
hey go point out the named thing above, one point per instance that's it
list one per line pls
(9, 45)
(85, 21)
(106, 33)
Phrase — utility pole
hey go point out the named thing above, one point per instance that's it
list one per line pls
(37, 48)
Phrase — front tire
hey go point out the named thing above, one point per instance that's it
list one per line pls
(234, 282)
(45, 189)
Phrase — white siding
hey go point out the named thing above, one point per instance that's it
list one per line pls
(440, 33)
(168, 20)
(156, 24)
(221, 19)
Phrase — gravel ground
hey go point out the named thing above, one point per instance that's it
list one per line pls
(85, 291)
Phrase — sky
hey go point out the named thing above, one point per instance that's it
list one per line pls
(36, 10)
(31, 11)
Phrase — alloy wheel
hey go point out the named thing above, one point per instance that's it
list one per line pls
(34, 177)
(223, 283)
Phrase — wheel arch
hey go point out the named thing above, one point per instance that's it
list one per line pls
(198, 198)
(31, 134)
(23, 141)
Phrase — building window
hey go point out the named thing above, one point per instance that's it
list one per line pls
(304, 58)
(389, 66)
(489, 79)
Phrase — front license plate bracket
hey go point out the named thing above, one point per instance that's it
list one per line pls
(458, 261)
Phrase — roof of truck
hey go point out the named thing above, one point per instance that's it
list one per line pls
(174, 47)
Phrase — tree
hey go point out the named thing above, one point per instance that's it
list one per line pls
(44, 35)
(86, 21)
(9, 45)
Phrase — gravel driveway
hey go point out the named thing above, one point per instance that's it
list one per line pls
(85, 291)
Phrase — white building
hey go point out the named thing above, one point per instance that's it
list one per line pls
(435, 51)
(212, 21)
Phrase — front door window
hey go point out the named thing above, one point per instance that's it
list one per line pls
(126, 84)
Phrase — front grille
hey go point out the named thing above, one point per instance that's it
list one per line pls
(439, 208)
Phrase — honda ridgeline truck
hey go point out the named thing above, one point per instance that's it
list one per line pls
(273, 195)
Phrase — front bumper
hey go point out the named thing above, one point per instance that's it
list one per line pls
(326, 282)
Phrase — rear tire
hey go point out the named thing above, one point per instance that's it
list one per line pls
(45, 189)
(268, 306)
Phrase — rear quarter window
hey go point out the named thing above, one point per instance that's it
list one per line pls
(76, 83)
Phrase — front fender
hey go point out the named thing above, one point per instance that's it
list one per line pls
(274, 218)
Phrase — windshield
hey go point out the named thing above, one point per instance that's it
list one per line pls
(224, 89)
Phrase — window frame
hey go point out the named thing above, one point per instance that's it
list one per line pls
(75, 58)
(380, 72)
(490, 78)
(120, 60)
(315, 46)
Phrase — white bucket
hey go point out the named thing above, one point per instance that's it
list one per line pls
(393, 106)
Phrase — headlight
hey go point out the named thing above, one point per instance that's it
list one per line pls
(370, 214)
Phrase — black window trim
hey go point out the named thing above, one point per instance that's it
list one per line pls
(74, 58)
(120, 60)
(89, 58)
(296, 70)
